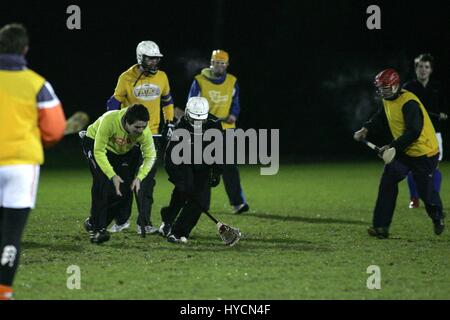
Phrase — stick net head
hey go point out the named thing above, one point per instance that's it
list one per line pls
(78, 121)
(229, 235)
(389, 155)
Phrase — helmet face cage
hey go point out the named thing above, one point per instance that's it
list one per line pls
(219, 62)
(387, 92)
(150, 64)
(197, 124)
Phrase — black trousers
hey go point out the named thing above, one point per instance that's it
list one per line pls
(105, 204)
(190, 197)
(422, 169)
(144, 198)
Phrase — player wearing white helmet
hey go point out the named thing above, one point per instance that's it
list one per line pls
(143, 83)
(192, 180)
(148, 56)
(196, 112)
(222, 92)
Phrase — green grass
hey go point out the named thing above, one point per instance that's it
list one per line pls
(305, 238)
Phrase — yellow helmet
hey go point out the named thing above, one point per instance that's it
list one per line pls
(219, 55)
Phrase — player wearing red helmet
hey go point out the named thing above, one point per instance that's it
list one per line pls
(417, 149)
(387, 83)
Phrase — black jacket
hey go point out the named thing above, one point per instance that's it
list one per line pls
(432, 99)
(212, 123)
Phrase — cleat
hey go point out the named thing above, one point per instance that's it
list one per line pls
(88, 225)
(241, 208)
(439, 226)
(148, 229)
(119, 227)
(100, 236)
(6, 292)
(380, 233)
(414, 204)
(174, 239)
(89, 228)
(165, 229)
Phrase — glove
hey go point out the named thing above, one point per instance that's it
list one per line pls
(360, 134)
(168, 130)
(214, 179)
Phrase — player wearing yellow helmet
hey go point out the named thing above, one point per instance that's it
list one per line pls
(221, 90)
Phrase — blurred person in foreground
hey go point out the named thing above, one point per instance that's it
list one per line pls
(31, 118)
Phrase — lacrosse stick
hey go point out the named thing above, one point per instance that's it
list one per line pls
(229, 235)
(78, 121)
(387, 156)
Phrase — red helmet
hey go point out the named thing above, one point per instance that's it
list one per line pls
(387, 83)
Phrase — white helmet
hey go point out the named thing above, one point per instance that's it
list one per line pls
(147, 48)
(196, 111)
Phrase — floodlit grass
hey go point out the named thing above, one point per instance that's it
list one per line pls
(304, 238)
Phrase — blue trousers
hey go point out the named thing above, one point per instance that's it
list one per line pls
(422, 169)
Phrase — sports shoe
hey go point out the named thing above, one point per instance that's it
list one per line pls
(241, 208)
(6, 292)
(380, 233)
(88, 225)
(89, 228)
(174, 239)
(148, 229)
(165, 229)
(183, 240)
(100, 236)
(414, 204)
(119, 227)
(439, 226)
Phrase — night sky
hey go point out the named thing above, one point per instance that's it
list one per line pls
(304, 67)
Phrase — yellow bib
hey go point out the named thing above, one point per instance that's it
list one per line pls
(427, 143)
(219, 96)
(147, 91)
(20, 137)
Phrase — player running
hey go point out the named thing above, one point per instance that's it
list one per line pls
(416, 148)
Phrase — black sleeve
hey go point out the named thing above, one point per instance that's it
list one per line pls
(376, 122)
(443, 101)
(413, 117)
(214, 122)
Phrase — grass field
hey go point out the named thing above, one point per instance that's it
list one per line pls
(304, 238)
